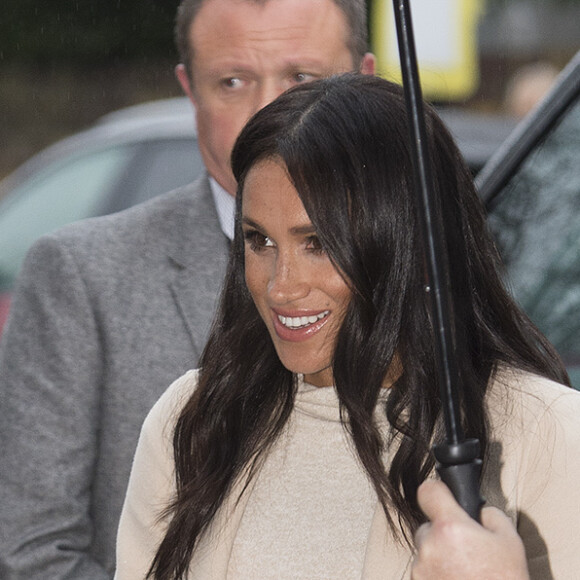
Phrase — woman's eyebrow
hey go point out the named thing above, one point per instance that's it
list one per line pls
(296, 230)
(303, 230)
(250, 222)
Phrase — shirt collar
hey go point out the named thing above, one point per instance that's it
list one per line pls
(225, 205)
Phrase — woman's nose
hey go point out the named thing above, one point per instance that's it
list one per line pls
(289, 282)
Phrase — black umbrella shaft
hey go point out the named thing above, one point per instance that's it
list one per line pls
(431, 227)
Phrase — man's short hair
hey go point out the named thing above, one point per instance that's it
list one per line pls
(354, 10)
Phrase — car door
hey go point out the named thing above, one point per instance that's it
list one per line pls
(532, 192)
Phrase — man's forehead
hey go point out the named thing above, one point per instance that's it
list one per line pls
(228, 20)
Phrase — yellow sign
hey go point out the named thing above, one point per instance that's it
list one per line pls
(446, 43)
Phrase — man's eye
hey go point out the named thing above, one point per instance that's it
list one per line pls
(232, 82)
(302, 77)
(257, 241)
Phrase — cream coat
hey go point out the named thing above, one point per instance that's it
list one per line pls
(532, 474)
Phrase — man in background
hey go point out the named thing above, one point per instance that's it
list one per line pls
(109, 311)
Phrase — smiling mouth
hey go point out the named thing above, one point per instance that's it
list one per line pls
(296, 322)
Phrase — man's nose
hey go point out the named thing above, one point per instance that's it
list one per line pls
(268, 91)
(288, 282)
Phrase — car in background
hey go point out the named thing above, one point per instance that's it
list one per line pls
(131, 155)
(531, 189)
(127, 157)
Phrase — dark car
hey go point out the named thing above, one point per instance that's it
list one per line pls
(531, 188)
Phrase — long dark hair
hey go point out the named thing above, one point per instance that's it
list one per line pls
(345, 144)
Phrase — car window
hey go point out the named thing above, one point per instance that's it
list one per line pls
(63, 193)
(170, 165)
(535, 220)
(160, 166)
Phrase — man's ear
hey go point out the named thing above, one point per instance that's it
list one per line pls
(184, 81)
(367, 65)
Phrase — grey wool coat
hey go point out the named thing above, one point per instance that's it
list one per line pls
(107, 313)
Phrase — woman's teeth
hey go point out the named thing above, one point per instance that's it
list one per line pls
(300, 321)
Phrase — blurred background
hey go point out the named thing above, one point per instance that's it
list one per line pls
(64, 63)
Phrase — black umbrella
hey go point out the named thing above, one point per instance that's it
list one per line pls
(458, 458)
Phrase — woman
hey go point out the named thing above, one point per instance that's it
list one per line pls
(298, 448)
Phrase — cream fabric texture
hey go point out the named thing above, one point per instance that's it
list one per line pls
(311, 513)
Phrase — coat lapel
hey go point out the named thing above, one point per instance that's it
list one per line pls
(384, 556)
(212, 558)
(198, 259)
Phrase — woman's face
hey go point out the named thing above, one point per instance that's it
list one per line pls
(299, 294)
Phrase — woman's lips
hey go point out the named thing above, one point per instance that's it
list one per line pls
(296, 327)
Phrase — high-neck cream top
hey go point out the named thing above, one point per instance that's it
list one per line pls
(312, 514)
(311, 507)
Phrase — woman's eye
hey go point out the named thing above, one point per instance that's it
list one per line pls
(257, 241)
(313, 244)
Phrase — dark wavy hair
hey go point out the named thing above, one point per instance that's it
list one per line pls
(345, 143)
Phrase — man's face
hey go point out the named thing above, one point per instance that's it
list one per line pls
(245, 54)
